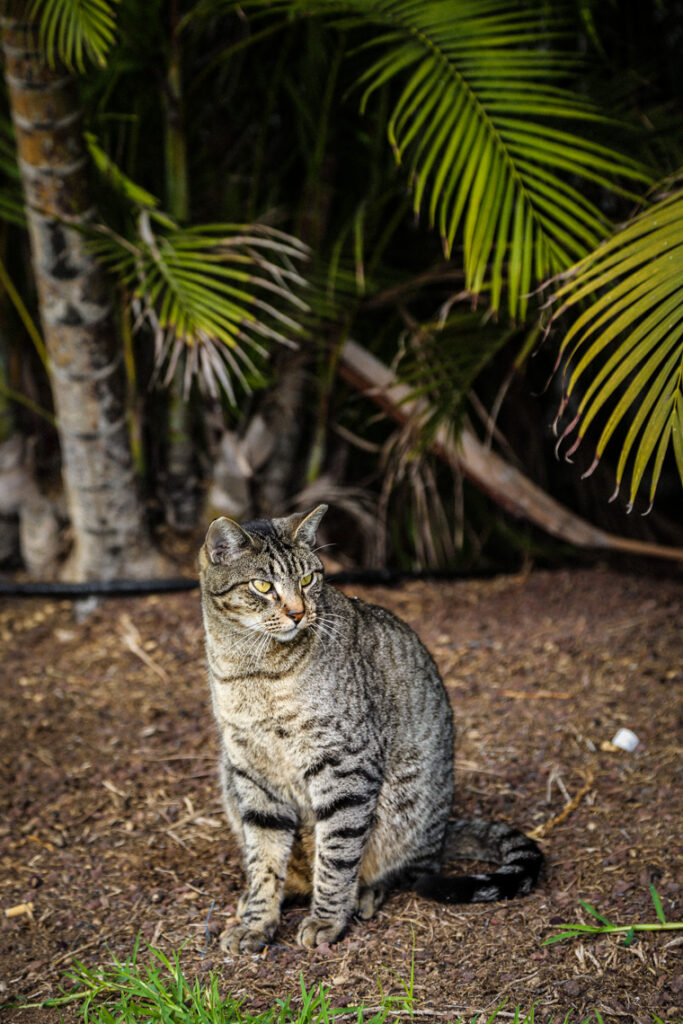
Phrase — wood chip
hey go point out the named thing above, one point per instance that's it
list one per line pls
(19, 910)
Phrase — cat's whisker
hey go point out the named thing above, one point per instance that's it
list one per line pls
(329, 619)
(332, 634)
(321, 628)
(324, 620)
(248, 652)
(244, 637)
(239, 634)
(319, 634)
(258, 653)
(261, 650)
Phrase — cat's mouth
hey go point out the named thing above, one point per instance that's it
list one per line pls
(284, 636)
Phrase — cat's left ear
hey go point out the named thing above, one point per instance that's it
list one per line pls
(303, 526)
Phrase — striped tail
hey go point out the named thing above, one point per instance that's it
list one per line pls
(519, 857)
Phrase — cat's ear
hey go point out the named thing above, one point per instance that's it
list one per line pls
(225, 539)
(304, 525)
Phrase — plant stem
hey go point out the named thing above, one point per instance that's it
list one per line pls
(655, 927)
(24, 315)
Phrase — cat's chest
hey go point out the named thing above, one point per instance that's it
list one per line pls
(266, 734)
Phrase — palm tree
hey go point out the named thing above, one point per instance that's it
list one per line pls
(110, 535)
(196, 290)
(489, 141)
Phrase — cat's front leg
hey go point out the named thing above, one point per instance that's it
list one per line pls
(268, 828)
(342, 828)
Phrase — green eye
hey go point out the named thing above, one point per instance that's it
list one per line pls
(305, 580)
(263, 586)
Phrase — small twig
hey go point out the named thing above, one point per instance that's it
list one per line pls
(546, 826)
(206, 928)
(555, 779)
(133, 641)
(113, 789)
(536, 695)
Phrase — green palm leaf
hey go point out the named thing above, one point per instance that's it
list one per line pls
(214, 294)
(76, 31)
(624, 354)
(481, 122)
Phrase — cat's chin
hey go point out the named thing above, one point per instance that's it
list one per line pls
(285, 636)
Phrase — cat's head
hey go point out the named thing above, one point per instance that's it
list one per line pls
(263, 575)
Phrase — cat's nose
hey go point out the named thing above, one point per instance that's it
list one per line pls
(295, 616)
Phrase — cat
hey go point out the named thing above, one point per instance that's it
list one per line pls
(336, 743)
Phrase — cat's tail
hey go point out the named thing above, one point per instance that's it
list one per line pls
(519, 857)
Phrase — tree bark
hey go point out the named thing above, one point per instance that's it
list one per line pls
(110, 538)
(281, 410)
(487, 470)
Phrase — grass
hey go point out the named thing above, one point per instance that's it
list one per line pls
(157, 992)
(607, 927)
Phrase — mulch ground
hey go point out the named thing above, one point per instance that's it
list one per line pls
(111, 823)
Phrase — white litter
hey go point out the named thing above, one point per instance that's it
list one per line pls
(626, 739)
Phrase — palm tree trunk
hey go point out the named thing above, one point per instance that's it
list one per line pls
(109, 532)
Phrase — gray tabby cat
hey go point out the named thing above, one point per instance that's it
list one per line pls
(337, 743)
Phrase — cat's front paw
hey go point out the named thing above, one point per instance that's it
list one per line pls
(239, 938)
(313, 931)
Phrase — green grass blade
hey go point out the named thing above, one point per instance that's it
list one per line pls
(595, 913)
(659, 910)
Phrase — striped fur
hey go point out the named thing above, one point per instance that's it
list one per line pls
(337, 743)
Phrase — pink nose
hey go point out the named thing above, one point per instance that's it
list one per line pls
(296, 616)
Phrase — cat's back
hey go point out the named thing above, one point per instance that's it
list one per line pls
(377, 634)
(382, 655)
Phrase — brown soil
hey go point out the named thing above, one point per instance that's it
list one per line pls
(112, 823)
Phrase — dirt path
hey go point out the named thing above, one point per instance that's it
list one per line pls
(111, 822)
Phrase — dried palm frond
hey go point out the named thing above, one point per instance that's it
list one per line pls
(413, 501)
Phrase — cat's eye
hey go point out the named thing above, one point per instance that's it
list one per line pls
(263, 586)
(305, 580)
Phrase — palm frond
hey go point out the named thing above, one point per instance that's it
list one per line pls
(213, 294)
(76, 31)
(481, 122)
(624, 353)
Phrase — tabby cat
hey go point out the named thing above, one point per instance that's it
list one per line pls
(336, 743)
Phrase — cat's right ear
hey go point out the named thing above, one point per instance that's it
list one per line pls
(225, 540)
